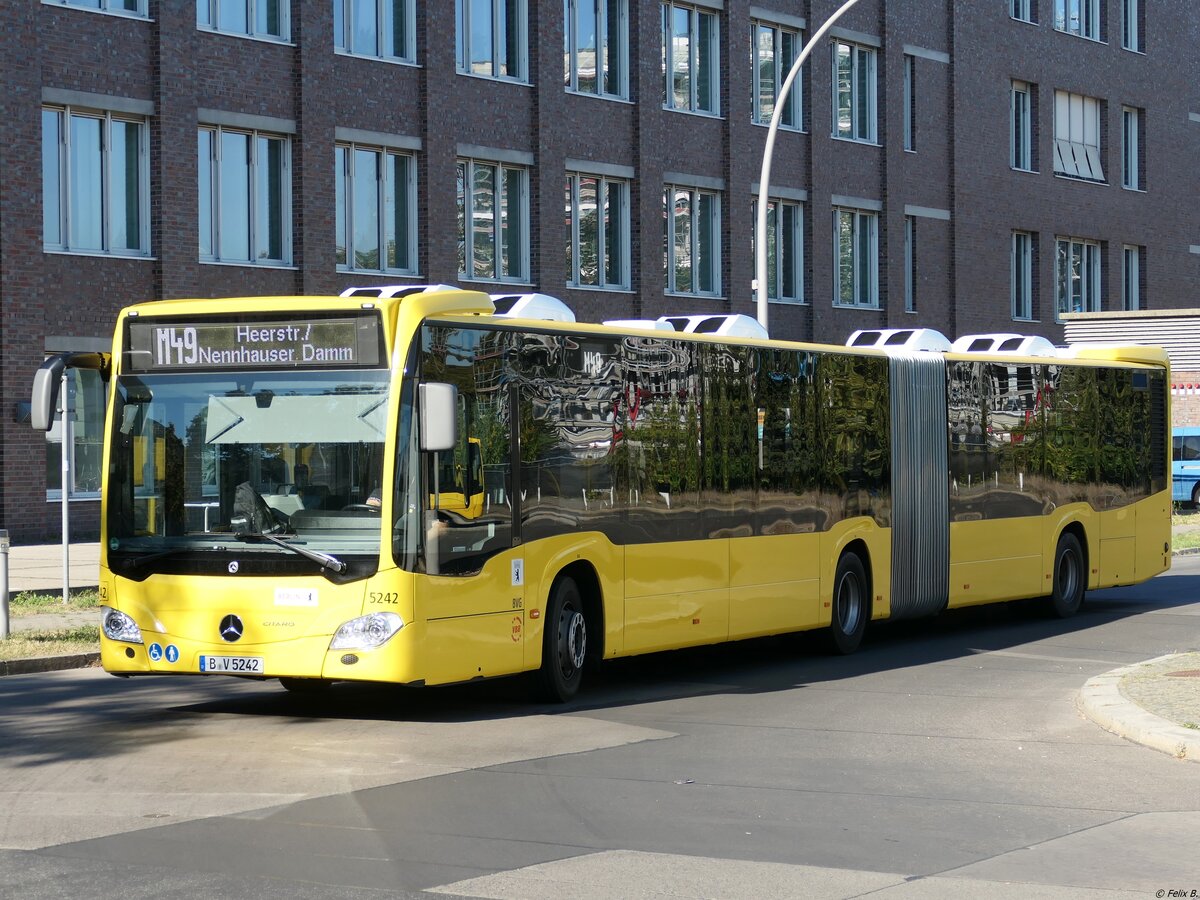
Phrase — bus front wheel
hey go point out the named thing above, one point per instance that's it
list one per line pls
(1069, 577)
(564, 644)
(851, 605)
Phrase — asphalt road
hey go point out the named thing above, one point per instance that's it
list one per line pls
(946, 759)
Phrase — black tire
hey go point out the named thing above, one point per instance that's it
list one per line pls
(851, 605)
(305, 685)
(1196, 496)
(564, 644)
(1069, 577)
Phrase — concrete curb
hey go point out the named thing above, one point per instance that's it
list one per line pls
(37, 664)
(1101, 700)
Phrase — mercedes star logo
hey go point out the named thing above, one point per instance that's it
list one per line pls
(231, 628)
(233, 567)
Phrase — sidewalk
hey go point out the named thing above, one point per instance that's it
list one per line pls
(1155, 703)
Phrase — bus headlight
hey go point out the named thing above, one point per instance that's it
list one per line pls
(118, 626)
(366, 632)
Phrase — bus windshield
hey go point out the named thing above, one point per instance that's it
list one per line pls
(218, 460)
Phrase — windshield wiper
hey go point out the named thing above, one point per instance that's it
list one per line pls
(323, 559)
(137, 561)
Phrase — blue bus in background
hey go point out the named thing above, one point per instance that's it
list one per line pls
(1185, 468)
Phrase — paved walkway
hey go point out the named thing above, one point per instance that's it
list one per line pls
(1156, 703)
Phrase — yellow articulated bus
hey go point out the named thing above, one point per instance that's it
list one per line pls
(413, 488)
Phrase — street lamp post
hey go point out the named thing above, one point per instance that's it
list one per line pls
(764, 180)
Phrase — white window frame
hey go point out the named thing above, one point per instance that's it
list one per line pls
(694, 49)
(910, 264)
(618, 80)
(910, 74)
(386, 12)
(1020, 10)
(66, 216)
(348, 178)
(694, 250)
(791, 237)
(255, 226)
(1077, 150)
(112, 7)
(1131, 148)
(1021, 127)
(1021, 276)
(620, 216)
(470, 239)
(792, 118)
(1131, 277)
(1131, 29)
(863, 111)
(208, 13)
(863, 255)
(1085, 22)
(1082, 255)
(464, 45)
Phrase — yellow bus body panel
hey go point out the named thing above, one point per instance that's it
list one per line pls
(992, 560)
(774, 584)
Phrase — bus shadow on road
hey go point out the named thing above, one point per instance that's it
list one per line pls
(759, 665)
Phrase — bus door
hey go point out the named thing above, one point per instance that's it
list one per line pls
(472, 598)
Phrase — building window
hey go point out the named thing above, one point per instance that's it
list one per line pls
(910, 100)
(1131, 148)
(691, 59)
(597, 47)
(856, 257)
(245, 191)
(692, 240)
(95, 182)
(1131, 25)
(1077, 136)
(1081, 17)
(1022, 275)
(128, 7)
(1077, 274)
(598, 231)
(910, 264)
(490, 39)
(1131, 288)
(382, 29)
(785, 250)
(854, 92)
(376, 210)
(493, 221)
(85, 398)
(774, 50)
(1021, 10)
(1021, 109)
(257, 18)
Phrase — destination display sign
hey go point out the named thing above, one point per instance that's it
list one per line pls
(297, 343)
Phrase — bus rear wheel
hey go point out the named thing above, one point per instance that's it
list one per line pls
(1068, 577)
(564, 644)
(851, 605)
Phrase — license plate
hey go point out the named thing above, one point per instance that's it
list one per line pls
(247, 665)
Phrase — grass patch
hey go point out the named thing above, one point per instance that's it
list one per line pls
(32, 603)
(29, 644)
(1185, 515)
(1186, 541)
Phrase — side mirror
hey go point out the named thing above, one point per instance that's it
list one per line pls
(44, 399)
(438, 416)
(46, 380)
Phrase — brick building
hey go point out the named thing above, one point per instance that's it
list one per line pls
(976, 166)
